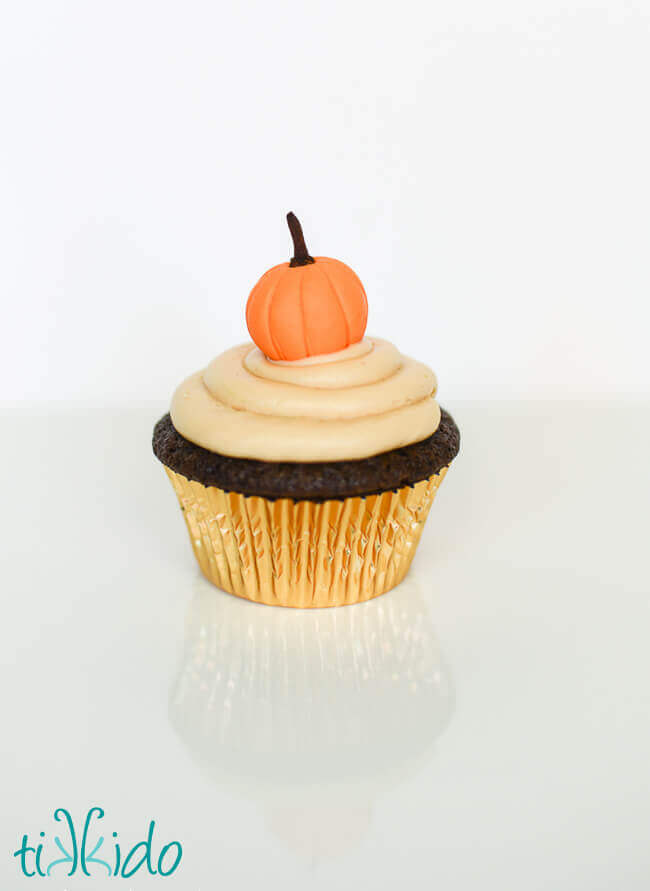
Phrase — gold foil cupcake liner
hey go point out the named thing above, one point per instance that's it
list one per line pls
(303, 553)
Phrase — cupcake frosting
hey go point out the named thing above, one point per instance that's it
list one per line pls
(358, 402)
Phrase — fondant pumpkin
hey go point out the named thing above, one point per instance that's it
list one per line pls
(308, 307)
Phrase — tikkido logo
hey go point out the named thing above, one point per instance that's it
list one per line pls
(77, 854)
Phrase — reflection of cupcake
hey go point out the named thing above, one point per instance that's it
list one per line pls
(306, 467)
(326, 697)
(311, 716)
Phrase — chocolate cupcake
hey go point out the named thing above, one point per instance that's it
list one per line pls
(306, 462)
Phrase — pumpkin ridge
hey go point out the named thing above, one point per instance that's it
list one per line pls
(340, 303)
(301, 301)
(269, 307)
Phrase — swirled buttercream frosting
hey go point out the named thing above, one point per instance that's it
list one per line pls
(352, 404)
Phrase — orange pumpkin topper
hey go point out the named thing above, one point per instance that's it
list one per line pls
(308, 307)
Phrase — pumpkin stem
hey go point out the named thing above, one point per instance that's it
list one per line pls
(300, 254)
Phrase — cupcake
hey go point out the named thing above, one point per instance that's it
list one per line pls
(305, 462)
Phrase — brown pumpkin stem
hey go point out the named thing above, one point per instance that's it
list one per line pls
(300, 254)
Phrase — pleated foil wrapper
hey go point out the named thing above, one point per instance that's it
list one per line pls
(302, 553)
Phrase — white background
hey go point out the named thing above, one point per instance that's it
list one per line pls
(482, 166)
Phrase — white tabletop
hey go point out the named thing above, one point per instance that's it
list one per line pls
(484, 725)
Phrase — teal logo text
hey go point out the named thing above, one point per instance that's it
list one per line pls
(83, 850)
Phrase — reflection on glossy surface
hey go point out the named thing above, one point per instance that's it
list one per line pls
(342, 701)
